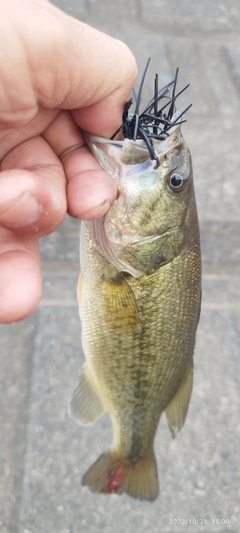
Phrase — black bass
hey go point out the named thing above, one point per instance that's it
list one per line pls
(139, 298)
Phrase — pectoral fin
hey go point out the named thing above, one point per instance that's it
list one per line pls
(85, 405)
(176, 410)
(120, 304)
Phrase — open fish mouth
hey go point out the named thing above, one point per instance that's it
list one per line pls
(152, 123)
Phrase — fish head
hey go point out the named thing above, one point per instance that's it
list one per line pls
(146, 225)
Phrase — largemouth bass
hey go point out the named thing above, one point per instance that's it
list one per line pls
(139, 300)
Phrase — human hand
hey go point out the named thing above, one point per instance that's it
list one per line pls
(56, 74)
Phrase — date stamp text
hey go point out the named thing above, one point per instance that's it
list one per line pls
(199, 521)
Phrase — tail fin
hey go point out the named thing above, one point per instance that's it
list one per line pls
(111, 474)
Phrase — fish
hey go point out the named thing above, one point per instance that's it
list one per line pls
(139, 295)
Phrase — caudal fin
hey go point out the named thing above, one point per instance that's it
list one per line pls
(111, 474)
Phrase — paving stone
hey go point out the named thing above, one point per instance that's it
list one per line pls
(62, 245)
(77, 9)
(190, 17)
(221, 72)
(16, 350)
(43, 454)
(60, 288)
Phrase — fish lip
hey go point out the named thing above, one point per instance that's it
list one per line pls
(162, 147)
(91, 138)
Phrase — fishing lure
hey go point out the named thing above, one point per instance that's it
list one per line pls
(152, 123)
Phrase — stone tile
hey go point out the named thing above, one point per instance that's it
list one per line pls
(191, 18)
(78, 9)
(232, 58)
(43, 454)
(56, 359)
(221, 292)
(191, 70)
(60, 288)
(221, 76)
(214, 147)
(16, 349)
(63, 244)
(220, 242)
(117, 14)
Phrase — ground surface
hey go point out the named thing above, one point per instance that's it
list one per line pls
(42, 453)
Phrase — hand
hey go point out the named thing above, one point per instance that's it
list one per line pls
(56, 74)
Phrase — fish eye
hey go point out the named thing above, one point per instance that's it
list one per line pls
(176, 182)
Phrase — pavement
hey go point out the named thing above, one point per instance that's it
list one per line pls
(43, 454)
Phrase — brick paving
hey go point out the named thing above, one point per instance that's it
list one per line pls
(42, 453)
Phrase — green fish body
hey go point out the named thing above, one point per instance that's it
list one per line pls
(139, 297)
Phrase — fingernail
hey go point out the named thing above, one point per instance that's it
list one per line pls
(98, 211)
(23, 211)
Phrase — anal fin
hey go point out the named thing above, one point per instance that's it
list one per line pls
(176, 410)
(85, 405)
